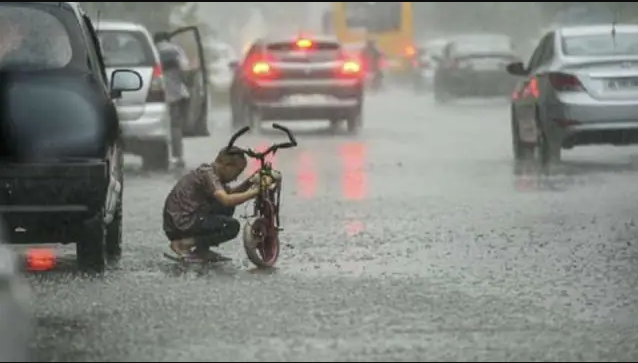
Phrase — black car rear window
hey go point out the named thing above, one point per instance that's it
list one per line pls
(126, 49)
(292, 46)
(32, 39)
(291, 52)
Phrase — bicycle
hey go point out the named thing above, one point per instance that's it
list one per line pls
(261, 231)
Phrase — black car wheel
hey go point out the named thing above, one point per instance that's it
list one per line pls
(91, 249)
(114, 235)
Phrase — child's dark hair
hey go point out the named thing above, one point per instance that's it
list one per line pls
(231, 156)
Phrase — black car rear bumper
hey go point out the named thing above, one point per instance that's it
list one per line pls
(338, 99)
(51, 203)
(477, 83)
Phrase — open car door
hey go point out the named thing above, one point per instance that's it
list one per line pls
(196, 79)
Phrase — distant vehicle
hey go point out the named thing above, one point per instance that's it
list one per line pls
(144, 114)
(580, 87)
(425, 63)
(218, 56)
(144, 117)
(390, 24)
(61, 166)
(474, 65)
(16, 307)
(297, 79)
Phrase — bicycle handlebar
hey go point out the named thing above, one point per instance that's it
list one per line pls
(292, 142)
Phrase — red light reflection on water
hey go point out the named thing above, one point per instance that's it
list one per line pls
(353, 177)
(307, 176)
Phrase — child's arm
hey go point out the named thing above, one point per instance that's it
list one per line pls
(216, 188)
(246, 184)
(235, 199)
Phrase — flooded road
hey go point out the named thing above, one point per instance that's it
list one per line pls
(416, 240)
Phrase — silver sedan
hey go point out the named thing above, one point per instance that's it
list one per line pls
(580, 87)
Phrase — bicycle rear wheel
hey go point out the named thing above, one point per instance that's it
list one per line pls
(261, 238)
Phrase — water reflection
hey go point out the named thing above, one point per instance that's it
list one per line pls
(353, 177)
(307, 176)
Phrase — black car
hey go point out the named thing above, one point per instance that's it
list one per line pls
(297, 79)
(474, 65)
(60, 156)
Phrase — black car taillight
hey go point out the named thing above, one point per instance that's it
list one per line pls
(156, 90)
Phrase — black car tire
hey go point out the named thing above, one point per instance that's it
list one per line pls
(253, 118)
(521, 150)
(156, 156)
(91, 249)
(114, 235)
(354, 121)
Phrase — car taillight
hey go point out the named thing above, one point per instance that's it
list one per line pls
(351, 67)
(156, 90)
(260, 68)
(304, 43)
(563, 82)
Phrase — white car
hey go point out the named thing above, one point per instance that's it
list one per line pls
(144, 115)
(218, 57)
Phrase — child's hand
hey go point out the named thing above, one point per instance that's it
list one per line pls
(267, 181)
(254, 178)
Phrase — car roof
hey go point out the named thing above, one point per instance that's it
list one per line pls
(596, 29)
(120, 25)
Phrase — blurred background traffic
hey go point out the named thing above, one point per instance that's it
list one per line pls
(407, 33)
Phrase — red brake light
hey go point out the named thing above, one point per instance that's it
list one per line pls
(304, 43)
(351, 67)
(156, 88)
(261, 68)
(40, 260)
(563, 82)
(157, 71)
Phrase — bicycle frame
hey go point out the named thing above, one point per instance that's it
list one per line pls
(265, 193)
(265, 169)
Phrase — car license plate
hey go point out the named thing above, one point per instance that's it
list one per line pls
(485, 65)
(307, 99)
(622, 83)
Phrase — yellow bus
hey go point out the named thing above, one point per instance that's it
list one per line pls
(389, 24)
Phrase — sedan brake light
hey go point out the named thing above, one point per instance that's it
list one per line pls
(563, 82)
(351, 67)
(261, 68)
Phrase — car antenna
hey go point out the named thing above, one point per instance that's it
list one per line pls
(613, 28)
(97, 19)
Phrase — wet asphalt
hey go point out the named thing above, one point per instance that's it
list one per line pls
(416, 240)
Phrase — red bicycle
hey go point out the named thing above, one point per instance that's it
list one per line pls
(261, 232)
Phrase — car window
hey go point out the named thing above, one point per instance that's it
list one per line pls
(537, 56)
(483, 45)
(600, 44)
(291, 51)
(32, 39)
(126, 49)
